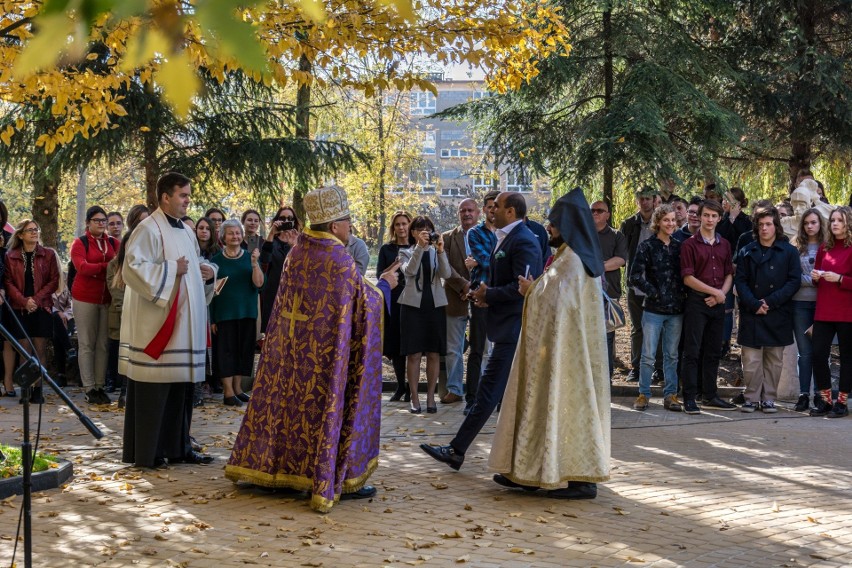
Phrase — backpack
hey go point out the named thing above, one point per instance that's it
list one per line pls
(72, 270)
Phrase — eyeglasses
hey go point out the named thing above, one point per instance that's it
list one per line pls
(32, 230)
(692, 213)
(98, 221)
(599, 211)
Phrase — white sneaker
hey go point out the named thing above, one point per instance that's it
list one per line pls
(768, 407)
(748, 407)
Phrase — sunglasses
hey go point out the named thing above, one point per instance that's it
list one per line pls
(599, 211)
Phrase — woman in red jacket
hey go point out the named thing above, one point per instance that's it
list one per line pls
(91, 254)
(32, 276)
(832, 276)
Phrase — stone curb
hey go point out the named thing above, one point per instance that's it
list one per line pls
(42, 481)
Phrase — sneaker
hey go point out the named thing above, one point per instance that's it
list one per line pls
(92, 396)
(633, 376)
(717, 403)
(739, 399)
(641, 402)
(657, 378)
(821, 408)
(803, 403)
(748, 407)
(838, 411)
(689, 407)
(103, 397)
(768, 407)
(672, 403)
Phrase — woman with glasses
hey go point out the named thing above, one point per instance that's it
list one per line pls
(91, 254)
(31, 278)
(283, 233)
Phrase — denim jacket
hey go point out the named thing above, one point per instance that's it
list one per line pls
(656, 272)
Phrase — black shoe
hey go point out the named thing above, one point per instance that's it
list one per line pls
(243, 397)
(61, 380)
(444, 454)
(817, 399)
(197, 403)
(193, 443)
(159, 463)
(717, 403)
(657, 378)
(837, 411)
(195, 458)
(397, 396)
(467, 408)
(739, 399)
(364, 493)
(109, 386)
(633, 376)
(10, 393)
(122, 401)
(104, 397)
(821, 408)
(575, 490)
(92, 397)
(689, 407)
(501, 479)
(232, 401)
(803, 403)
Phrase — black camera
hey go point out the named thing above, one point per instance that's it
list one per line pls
(285, 225)
(433, 237)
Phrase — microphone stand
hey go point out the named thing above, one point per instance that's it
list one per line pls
(28, 373)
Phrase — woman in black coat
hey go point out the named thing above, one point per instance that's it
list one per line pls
(283, 232)
(399, 239)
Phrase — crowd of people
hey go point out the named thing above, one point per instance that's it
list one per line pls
(173, 309)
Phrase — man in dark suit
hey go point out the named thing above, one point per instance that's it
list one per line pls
(518, 253)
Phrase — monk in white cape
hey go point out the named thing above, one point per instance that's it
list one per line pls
(553, 431)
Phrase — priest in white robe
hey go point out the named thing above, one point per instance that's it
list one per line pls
(163, 345)
(553, 432)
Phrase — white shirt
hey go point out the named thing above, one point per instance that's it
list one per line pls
(504, 232)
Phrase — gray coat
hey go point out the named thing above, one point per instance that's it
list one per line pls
(411, 258)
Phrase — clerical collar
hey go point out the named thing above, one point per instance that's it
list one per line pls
(173, 221)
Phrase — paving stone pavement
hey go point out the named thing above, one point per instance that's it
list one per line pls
(719, 489)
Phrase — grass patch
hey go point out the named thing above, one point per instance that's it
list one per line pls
(11, 467)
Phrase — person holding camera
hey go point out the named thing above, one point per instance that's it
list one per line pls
(283, 232)
(422, 313)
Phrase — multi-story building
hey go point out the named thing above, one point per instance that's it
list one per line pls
(453, 165)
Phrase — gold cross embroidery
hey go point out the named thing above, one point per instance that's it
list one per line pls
(294, 315)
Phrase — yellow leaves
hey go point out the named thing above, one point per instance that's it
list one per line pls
(6, 135)
(179, 81)
(44, 49)
(313, 10)
(143, 48)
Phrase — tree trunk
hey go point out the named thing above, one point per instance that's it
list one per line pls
(380, 101)
(800, 159)
(303, 130)
(82, 182)
(608, 86)
(151, 167)
(800, 147)
(46, 201)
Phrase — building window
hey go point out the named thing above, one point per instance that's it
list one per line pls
(427, 142)
(423, 103)
(452, 135)
(424, 180)
(454, 153)
(480, 95)
(518, 180)
(482, 182)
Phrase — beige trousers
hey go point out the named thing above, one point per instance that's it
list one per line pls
(92, 336)
(762, 372)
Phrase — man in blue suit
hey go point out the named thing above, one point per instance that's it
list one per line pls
(518, 253)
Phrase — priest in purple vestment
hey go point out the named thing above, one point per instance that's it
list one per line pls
(312, 423)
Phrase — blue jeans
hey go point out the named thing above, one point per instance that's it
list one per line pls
(456, 326)
(654, 328)
(803, 318)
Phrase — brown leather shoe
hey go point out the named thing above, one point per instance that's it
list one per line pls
(450, 398)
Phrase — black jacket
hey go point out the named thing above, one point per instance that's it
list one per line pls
(272, 256)
(656, 272)
(774, 276)
(631, 228)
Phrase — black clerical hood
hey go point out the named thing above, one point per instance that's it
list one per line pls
(572, 216)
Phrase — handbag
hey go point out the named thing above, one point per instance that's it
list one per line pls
(613, 313)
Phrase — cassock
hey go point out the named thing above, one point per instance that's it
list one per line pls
(312, 423)
(554, 423)
(163, 344)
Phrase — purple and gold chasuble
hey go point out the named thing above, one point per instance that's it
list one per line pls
(313, 420)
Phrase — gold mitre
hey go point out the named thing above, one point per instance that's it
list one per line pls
(326, 204)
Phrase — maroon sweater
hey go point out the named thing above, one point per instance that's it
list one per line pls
(834, 300)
